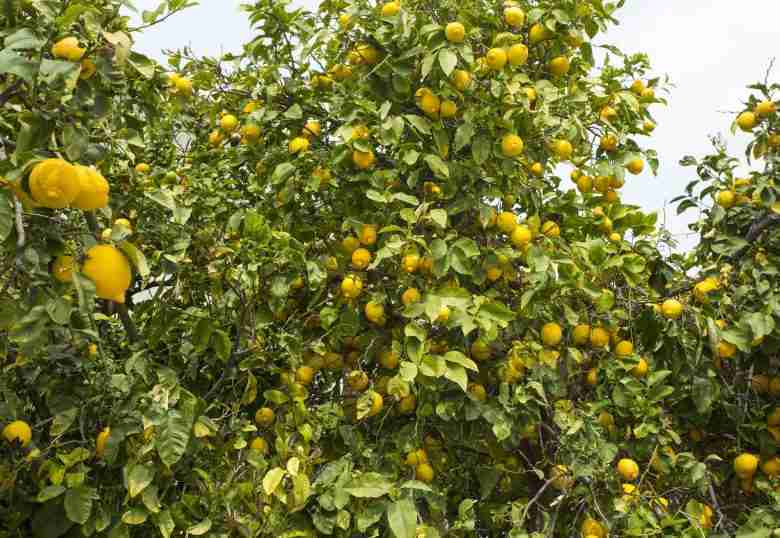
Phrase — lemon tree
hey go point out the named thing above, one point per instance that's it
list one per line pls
(372, 276)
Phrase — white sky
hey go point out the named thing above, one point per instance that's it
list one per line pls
(709, 51)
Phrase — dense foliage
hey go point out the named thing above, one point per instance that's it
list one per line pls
(373, 277)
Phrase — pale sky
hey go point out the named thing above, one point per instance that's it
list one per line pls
(710, 52)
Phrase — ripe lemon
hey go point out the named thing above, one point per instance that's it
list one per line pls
(507, 222)
(363, 159)
(350, 244)
(62, 268)
(591, 527)
(648, 95)
(216, 138)
(512, 145)
(250, 107)
(444, 315)
(562, 478)
(701, 289)
(726, 199)
(448, 109)
(408, 404)
(304, 375)
(368, 234)
(455, 32)
(765, 108)
(299, 144)
(648, 126)
(100, 442)
(745, 465)
(183, 86)
(592, 377)
(551, 334)
(461, 79)
(672, 309)
(375, 312)
(551, 229)
(562, 149)
(517, 54)
(391, 9)
(410, 296)
(496, 59)
(607, 421)
(377, 403)
(585, 184)
(608, 114)
(601, 185)
(537, 169)
(388, 359)
(638, 87)
(424, 473)
(109, 269)
(430, 104)
(628, 469)
(54, 183)
(351, 287)
(265, 416)
(746, 121)
(410, 263)
(640, 370)
(493, 273)
(624, 349)
(559, 66)
(364, 53)
(514, 16)
(530, 93)
(635, 166)
(260, 445)
(18, 431)
(251, 132)
(608, 142)
(88, 69)
(357, 380)
(480, 350)
(361, 258)
(581, 335)
(538, 33)
(93, 189)
(726, 350)
(771, 467)
(345, 20)
(521, 235)
(599, 337)
(68, 49)
(228, 123)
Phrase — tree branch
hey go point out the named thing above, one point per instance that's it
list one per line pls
(127, 323)
(10, 92)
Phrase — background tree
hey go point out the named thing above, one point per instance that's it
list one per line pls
(363, 302)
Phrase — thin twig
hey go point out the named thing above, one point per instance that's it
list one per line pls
(127, 323)
(535, 498)
(21, 239)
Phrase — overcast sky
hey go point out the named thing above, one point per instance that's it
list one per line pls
(710, 52)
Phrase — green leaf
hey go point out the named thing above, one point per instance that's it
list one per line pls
(136, 257)
(463, 136)
(150, 499)
(220, 341)
(282, 172)
(138, 478)
(402, 518)
(301, 491)
(58, 310)
(171, 443)
(6, 214)
(437, 166)
(369, 485)
(78, 503)
(162, 197)
(145, 66)
(439, 216)
(15, 64)
(201, 528)
(135, 516)
(23, 39)
(53, 70)
(457, 374)
(419, 123)
(165, 523)
(447, 60)
(49, 492)
(459, 358)
(272, 479)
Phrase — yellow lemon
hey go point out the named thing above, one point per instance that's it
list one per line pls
(521, 235)
(517, 54)
(585, 184)
(538, 33)
(512, 145)
(363, 159)
(424, 473)
(624, 349)
(672, 309)
(410, 263)
(68, 49)
(746, 121)
(514, 16)
(551, 229)
(304, 375)
(726, 199)
(62, 268)
(745, 465)
(461, 79)
(726, 350)
(260, 445)
(507, 222)
(88, 69)
(109, 269)
(496, 59)
(765, 108)
(608, 142)
(265, 416)
(100, 442)
(93, 189)
(312, 128)
(228, 123)
(608, 114)
(477, 391)
(581, 335)
(251, 132)
(628, 469)
(559, 66)
(591, 527)
(455, 32)
(361, 258)
(351, 287)
(562, 149)
(635, 166)
(18, 431)
(54, 183)
(298, 144)
(599, 337)
(411, 295)
(551, 334)
(638, 87)
(448, 109)
(391, 9)
(640, 370)
(368, 234)
(648, 126)
(562, 478)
